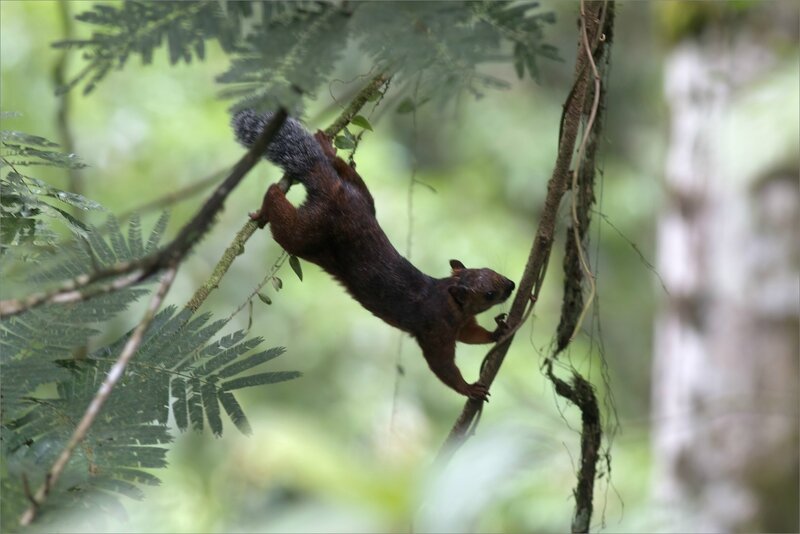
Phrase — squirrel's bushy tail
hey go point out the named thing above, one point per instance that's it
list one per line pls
(294, 149)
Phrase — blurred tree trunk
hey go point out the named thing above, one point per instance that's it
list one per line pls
(725, 395)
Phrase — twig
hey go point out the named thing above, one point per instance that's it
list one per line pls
(582, 395)
(75, 179)
(370, 91)
(587, 131)
(580, 392)
(231, 252)
(246, 232)
(173, 253)
(114, 375)
(267, 277)
(70, 291)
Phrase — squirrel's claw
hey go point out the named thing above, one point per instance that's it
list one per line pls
(478, 391)
(502, 326)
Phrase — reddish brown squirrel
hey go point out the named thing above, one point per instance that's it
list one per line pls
(336, 228)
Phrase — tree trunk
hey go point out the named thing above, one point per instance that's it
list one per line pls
(725, 397)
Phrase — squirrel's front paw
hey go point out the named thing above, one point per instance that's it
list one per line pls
(502, 326)
(478, 391)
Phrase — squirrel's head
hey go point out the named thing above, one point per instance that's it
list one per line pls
(477, 290)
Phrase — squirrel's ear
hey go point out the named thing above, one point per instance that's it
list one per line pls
(459, 294)
(456, 265)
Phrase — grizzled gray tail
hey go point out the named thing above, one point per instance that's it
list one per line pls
(294, 149)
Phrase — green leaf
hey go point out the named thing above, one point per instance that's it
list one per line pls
(406, 106)
(135, 236)
(277, 283)
(259, 379)
(196, 405)
(212, 408)
(294, 263)
(11, 136)
(250, 362)
(179, 404)
(344, 143)
(235, 412)
(26, 156)
(360, 120)
(157, 232)
(227, 356)
(264, 298)
(130, 28)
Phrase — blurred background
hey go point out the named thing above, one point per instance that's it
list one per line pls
(693, 343)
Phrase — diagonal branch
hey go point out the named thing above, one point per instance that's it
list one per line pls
(78, 289)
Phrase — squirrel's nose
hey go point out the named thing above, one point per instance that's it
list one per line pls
(509, 287)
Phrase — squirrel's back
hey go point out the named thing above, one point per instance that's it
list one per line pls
(336, 228)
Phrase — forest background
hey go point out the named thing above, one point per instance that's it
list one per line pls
(348, 446)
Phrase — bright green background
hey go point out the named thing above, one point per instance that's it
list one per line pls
(338, 450)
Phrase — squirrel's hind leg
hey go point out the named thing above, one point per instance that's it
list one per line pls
(291, 228)
(261, 217)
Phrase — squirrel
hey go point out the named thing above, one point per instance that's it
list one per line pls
(336, 228)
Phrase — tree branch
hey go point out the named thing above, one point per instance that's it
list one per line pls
(536, 266)
(138, 270)
(596, 27)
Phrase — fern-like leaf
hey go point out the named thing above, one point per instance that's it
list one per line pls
(286, 57)
(29, 206)
(178, 366)
(439, 46)
(140, 28)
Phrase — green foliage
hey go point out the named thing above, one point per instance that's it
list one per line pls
(24, 199)
(182, 366)
(516, 24)
(288, 55)
(439, 45)
(294, 263)
(141, 27)
(290, 48)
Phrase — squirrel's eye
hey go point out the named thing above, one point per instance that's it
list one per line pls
(489, 295)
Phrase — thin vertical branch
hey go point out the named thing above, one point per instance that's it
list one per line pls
(587, 133)
(533, 276)
(596, 22)
(65, 102)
